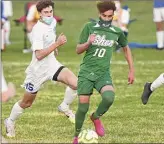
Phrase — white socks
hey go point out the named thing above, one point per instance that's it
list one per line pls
(158, 82)
(160, 39)
(70, 95)
(15, 112)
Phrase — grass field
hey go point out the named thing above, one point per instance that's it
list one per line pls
(128, 120)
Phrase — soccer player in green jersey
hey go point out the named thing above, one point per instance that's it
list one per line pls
(97, 40)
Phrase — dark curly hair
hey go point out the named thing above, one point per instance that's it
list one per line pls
(105, 5)
(41, 4)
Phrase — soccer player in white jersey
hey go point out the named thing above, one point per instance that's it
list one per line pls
(150, 87)
(44, 66)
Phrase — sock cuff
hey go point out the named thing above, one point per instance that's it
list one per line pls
(18, 106)
(108, 92)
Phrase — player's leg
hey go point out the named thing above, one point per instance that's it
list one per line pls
(3, 45)
(67, 77)
(162, 11)
(150, 87)
(16, 111)
(159, 27)
(32, 85)
(85, 89)
(7, 32)
(104, 86)
(69, 96)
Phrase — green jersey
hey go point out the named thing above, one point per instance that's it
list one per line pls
(96, 61)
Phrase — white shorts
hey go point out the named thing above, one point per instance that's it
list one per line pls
(33, 81)
(158, 14)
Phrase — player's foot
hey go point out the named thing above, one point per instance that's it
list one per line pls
(98, 126)
(10, 128)
(160, 48)
(75, 140)
(68, 113)
(146, 93)
(28, 50)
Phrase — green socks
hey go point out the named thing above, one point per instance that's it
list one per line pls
(80, 116)
(107, 101)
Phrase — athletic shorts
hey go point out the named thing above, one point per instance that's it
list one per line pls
(158, 14)
(33, 82)
(85, 86)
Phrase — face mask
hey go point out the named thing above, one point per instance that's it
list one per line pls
(105, 23)
(47, 20)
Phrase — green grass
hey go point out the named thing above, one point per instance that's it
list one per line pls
(127, 120)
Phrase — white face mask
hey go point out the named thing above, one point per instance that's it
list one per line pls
(47, 20)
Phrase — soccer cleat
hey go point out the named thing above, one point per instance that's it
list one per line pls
(160, 48)
(146, 93)
(75, 140)
(68, 113)
(98, 126)
(10, 130)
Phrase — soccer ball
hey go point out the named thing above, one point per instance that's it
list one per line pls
(88, 136)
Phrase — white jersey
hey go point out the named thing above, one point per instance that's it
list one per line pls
(39, 71)
(8, 9)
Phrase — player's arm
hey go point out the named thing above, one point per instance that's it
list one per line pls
(128, 56)
(41, 52)
(129, 59)
(85, 40)
(83, 47)
(124, 43)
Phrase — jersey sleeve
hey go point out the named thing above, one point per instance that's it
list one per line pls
(122, 40)
(37, 40)
(84, 34)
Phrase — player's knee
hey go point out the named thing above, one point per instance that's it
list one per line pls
(83, 107)
(74, 87)
(25, 104)
(108, 97)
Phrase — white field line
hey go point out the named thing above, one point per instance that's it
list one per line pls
(78, 63)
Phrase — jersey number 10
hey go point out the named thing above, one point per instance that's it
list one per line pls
(100, 52)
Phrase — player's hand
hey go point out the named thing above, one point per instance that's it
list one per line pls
(61, 39)
(131, 77)
(91, 38)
